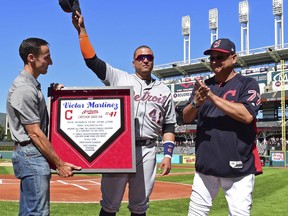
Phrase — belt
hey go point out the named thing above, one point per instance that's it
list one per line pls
(144, 142)
(24, 143)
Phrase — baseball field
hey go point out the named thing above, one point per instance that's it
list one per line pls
(270, 195)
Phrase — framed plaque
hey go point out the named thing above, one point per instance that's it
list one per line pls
(94, 128)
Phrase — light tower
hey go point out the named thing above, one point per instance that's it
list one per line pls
(244, 22)
(283, 110)
(278, 23)
(186, 35)
(213, 24)
(279, 44)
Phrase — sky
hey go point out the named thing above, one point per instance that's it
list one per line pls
(116, 28)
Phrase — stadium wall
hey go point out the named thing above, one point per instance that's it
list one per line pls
(178, 159)
(269, 81)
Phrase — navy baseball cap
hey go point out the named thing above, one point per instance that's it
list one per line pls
(70, 6)
(222, 45)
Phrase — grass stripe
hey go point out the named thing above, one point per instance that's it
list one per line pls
(269, 198)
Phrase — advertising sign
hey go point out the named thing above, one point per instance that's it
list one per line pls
(260, 78)
(189, 159)
(277, 82)
(182, 91)
(277, 156)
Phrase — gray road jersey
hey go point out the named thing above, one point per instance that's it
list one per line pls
(153, 104)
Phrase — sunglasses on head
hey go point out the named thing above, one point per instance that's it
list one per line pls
(149, 57)
(218, 58)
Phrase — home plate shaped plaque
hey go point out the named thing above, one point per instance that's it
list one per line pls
(93, 128)
(90, 125)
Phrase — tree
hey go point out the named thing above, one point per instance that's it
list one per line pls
(8, 138)
(2, 133)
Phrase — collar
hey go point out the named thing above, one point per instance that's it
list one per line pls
(31, 79)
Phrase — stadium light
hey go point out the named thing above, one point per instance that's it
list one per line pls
(243, 11)
(186, 25)
(213, 18)
(186, 35)
(277, 7)
(213, 24)
(244, 21)
(278, 23)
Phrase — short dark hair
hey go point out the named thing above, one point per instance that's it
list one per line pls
(31, 45)
(142, 46)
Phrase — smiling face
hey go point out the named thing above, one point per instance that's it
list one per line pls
(222, 63)
(143, 62)
(35, 54)
(38, 63)
(42, 61)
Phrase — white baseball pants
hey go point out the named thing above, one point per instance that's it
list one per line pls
(238, 193)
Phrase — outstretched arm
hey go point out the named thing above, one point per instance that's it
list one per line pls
(92, 61)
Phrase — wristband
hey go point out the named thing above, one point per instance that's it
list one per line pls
(194, 105)
(168, 148)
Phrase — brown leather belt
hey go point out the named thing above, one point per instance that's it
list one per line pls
(24, 143)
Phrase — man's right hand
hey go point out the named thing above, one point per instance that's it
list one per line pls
(201, 93)
(66, 169)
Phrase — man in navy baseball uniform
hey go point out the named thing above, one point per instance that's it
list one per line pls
(225, 107)
(154, 115)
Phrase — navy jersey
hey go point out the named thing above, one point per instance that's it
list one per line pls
(224, 146)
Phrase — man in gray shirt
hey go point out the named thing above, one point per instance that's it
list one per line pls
(28, 122)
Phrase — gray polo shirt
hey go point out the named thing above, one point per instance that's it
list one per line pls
(25, 105)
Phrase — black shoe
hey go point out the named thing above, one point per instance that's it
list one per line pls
(134, 214)
(104, 213)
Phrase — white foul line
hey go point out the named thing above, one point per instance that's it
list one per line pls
(76, 185)
(97, 183)
(83, 188)
(63, 182)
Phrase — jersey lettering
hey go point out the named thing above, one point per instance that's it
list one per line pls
(230, 92)
(150, 98)
(153, 116)
(254, 94)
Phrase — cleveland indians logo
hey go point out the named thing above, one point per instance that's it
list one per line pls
(216, 44)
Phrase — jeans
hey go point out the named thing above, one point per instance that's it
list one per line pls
(34, 173)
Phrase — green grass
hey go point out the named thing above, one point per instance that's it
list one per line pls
(6, 170)
(185, 178)
(270, 197)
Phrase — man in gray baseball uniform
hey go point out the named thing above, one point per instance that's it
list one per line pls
(154, 114)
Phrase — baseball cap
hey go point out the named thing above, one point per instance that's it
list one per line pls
(222, 45)
(70, 5)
